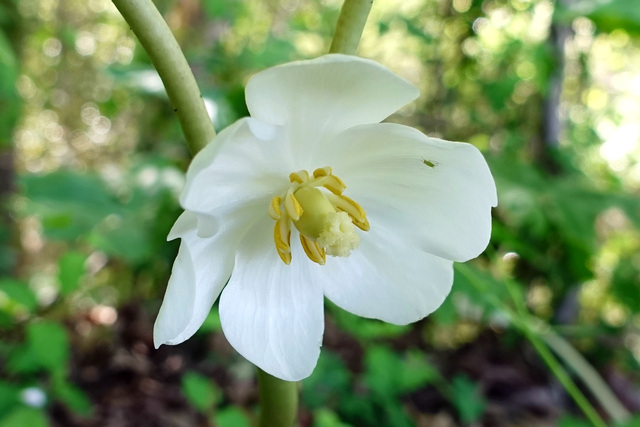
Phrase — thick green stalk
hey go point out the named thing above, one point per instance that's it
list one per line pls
(278, 401)
(165, 53)
(353, 16)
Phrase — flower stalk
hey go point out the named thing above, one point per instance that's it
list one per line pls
(167, 57)
(278, 401)
(353, 16)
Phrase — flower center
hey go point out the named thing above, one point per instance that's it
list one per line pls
(326, 220)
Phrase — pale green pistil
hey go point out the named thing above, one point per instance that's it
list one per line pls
(315, 208)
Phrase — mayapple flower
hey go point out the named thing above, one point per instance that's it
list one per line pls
(313, 197)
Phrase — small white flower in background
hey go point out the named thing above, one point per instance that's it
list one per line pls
(34, 397)
(312, 197)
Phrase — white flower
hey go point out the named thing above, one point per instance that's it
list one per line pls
(313, 173)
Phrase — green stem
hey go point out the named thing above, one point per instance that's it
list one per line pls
(166, 55)
(278, 401)
(353, 16)
(521, 319)
(529, 325)
(589, 376)
(539, 334)
(564, 378)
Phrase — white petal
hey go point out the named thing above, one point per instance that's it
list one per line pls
(437, 194)
(199, 273)
(247, 163)
(388, 279)
(272, 313)
(185, 224)
(317, 98)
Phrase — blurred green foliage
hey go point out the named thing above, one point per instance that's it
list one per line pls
(99, 159)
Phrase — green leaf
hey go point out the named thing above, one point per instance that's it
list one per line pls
(227, 10)
(327, 418)
(446, 314)
(570, 421)
(8, 65)
(467, 399)
(70, 270)
(9, 397)
(416, 371)
(19, 296)
(211, 322)
(70, 204)
(74, 206)
(46, 347)
(390, 374)
(200, 391)
(123, 236)
(382, 371)
(633, 422)
(365, 329)
(480, 288)
(231, 417)
(9, 99)
(329, 381)
(23, 417)
(499, 92)
(49, 340)
(608, 15)
(626, 284)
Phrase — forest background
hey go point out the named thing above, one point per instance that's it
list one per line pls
(92, 160)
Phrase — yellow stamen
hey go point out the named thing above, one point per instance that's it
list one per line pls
(314, 251)
(292, 206)
(282, 238)
(324, 217)
(274, 208)
(300, 177)
(344, 203)
(322, 172)
(333, 184)
(364, 226)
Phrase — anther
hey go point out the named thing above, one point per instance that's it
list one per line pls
(325, 171)
(300, 177)
(282, 238)
(291, 206)
(315, 252)
(349, 206)
(325, 219)
(274, 208)
(332, 183)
